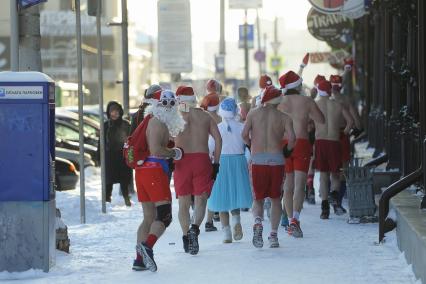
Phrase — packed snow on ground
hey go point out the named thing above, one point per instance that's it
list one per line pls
(103, 249)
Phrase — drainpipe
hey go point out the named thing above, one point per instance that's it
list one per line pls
(421, 79)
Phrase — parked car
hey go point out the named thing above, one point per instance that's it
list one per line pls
(74, 157)
(66, 175)
(91, 127)
(68, 131)
(90, 111)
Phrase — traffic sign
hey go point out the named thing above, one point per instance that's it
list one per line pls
(245, 4)
(259, 56)
(275, 46)
(174, 36)
(276, 62)
(250, 36)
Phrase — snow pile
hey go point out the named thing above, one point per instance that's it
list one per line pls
(103, 249)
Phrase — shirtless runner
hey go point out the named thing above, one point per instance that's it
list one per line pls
(263, 132)
(210, 103)
(162, 122)
(328, 152)
(336, 87)
(194, 173)
(301, 109)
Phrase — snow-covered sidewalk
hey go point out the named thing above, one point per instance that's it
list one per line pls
(102, 250)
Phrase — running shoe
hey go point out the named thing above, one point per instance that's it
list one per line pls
(238, 232)
(284, 222)
(193, 246)
(185, 243)
(147, 256)
(294, 229)
(325, 209)
(227, 235)
(257, 235)
(339, 210)
(210, 227)
(138, 265)
(273, 240)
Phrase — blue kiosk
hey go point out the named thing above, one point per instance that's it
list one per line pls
(27, 171)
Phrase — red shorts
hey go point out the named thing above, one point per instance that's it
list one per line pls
(193, 174)
(346, 147)
(328, 156)
(152, 183)
(300, 158)
(267, 181)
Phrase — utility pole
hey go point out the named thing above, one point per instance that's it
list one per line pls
(259, 47)
(29, 57)
(14, 36)
(222, 51)
(80, 111)
(265, 40)
(101, 101)
(246, 52)
(276, 45)
(125, 56)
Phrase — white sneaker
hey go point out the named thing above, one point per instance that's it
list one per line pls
(227, 235)
(238, 232)
(273, 241)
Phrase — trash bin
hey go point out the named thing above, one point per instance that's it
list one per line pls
(27, 172)
(360, 191)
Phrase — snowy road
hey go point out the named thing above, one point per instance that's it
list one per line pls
(102, 250)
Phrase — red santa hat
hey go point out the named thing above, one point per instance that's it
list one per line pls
(210, 102)
(213, 86)
(271, 95)
(336, 82)
(185, 94)
(264, 81)
(324, 88)
(290, 80)
(318, 79)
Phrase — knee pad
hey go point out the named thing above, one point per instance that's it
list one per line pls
(164, 214)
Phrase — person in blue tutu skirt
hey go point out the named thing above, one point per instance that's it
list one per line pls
(231, 190)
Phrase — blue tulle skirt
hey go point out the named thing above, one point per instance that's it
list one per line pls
(231, 189)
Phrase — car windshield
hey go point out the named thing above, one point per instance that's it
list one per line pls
(66, 133)
(88, 129)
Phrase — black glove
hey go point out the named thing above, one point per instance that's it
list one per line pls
(248, 147)
(215, 171)
(286, 151)
(355, 132)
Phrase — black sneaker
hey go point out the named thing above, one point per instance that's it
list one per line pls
(185, 243)
(311, 196)
(127, 201)
(193, 246)
(209, 226)
(333, 197)
(339, 210)
(216, 217)
(147, 256)
(138, 265)
(325, 209)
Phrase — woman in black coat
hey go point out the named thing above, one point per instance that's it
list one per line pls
(117, 130)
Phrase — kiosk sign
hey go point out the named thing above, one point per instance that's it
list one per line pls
(21, 92)
(328, 27)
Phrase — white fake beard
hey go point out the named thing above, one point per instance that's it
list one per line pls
(170, 117)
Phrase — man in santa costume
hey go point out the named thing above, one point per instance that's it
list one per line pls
(263, 132)
(162, 122)
(264, 81)
(328, 151)
(195, 174)
(301, 109)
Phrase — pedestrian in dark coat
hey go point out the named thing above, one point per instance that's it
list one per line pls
(117, 130)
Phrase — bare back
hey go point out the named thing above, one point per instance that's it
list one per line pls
(301, 109)
(267, 127)
(332, 111)
(194, 138)
(346, 102)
